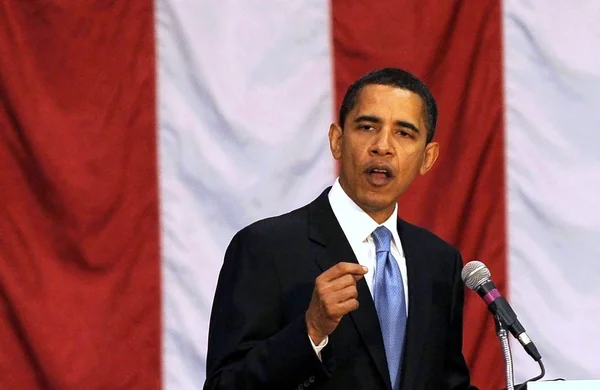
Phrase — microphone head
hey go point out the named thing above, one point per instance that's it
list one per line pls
(474, 274)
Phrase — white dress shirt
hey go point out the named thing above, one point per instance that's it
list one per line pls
(357, 226)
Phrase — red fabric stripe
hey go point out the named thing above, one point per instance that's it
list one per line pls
(79, 252)
(456, 48)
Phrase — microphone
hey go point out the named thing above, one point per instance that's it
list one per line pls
(477, 276)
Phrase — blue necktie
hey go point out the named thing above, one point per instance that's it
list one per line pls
(388, 293)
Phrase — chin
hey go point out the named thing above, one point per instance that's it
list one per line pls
(377, 202)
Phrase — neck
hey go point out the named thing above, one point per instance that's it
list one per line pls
(379, 215)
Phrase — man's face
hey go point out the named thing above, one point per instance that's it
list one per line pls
(382, 147)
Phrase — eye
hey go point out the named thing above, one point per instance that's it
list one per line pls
(404, 133)
(366, 127)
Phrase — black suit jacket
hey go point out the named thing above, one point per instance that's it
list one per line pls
(258, 337)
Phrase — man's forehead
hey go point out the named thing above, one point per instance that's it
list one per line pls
(373, 97)
(375, 93)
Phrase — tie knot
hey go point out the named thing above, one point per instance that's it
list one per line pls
(383, 239)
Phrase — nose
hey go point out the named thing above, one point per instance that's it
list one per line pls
(382, 143)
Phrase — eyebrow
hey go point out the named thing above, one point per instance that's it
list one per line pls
(375, 119)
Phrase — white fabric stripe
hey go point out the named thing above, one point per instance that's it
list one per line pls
(553, 129)
(245, 102)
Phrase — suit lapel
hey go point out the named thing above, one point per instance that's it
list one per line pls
(419, 303)
(325, 229)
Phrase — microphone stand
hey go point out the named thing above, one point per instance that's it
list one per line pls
(508, 362)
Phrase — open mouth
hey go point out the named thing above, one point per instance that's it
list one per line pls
(380, 171)
(379, 175)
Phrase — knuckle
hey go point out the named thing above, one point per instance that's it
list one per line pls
(329, 312)
(320, 286)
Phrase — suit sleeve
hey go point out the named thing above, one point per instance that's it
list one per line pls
(249, 347)
(456, 371)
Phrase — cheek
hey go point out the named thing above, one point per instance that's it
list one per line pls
(410, 159)
(353, 156)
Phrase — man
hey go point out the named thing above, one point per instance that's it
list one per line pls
(341, 293)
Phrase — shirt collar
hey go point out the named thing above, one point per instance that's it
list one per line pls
(355, 222)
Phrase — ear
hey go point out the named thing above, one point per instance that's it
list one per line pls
(432, 150)
(335, 140)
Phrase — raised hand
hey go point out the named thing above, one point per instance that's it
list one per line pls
(334, 296)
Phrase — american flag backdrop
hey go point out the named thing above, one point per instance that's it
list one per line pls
(136, 137)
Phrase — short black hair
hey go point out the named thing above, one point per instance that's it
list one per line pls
(398, 78)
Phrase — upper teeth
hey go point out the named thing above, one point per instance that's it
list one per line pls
(380, 170)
